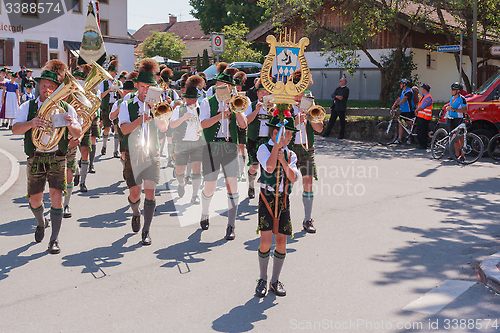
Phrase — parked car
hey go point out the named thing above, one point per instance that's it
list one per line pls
(483, 107)
(252, 70)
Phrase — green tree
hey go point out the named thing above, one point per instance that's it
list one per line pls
(198, 63)
(215, 14)
(164, 44)
(359, 23)
(205, 62)
(236, 48)
(488, 19)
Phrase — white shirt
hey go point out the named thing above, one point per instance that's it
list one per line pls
(203, 95)
(263, 155)
(300, 139)
(191, 127)
(22, 117)
(211, 91)
(124, 116)
(205, 114)
(111, 94)
(116, 105)
(263, 129)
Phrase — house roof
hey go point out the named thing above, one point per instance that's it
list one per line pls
(184, 30)
(196, 46)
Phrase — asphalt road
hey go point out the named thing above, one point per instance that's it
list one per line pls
(397, 232)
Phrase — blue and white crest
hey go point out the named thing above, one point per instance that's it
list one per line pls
(287, 60)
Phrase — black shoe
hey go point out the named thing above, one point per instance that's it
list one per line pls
(146, 240)
(277, 288)
(83, 188)
(204, 223)
(251, 192)
(54, 247)
(39, 233)
(91, 169)
(195, 200)
(170, 164)
(116, 154)
(76, 180)
(181, 190)
(188, 180)
(136, 223)
(230, 233)
(308, 226)
(10, 127)
(67, 212)
(261, 289)
(103, 151)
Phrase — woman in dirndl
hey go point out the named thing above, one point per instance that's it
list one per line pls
(3, 80)
(11, 99)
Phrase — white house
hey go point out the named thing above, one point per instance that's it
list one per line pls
(31, 39)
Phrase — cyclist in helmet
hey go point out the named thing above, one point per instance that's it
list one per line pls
(405, 102)
(455, 113)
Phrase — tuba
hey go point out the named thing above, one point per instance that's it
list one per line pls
(48, 137)
(96, 76)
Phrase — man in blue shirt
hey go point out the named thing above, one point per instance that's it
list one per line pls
(405, 102)
(455, 112)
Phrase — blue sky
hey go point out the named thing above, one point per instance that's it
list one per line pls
(140, 12)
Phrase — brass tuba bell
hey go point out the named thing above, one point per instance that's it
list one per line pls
(316, 114)
(238, 103)
(47, 137)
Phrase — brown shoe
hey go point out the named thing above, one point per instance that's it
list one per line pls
(308, 226)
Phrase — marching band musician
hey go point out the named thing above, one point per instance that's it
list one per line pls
(88, 142)
(108, 98)
(170, 96)
(51, 165)
(188, 141)
(278, 165)
(119, 96)
(257, 134)
(239, 80)
(221, 67)
(305, 158)
(221, 134)
(136, 122)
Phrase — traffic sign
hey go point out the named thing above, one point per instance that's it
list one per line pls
(449, 48)
(217, 42)
(495, 50)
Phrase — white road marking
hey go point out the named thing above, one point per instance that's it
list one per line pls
(437, 298)
(14, 172)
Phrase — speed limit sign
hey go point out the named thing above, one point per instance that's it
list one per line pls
(217, 42)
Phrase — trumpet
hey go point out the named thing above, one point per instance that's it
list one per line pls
(314, 114)
(161, 109)
(267, 104)
(238, 103)
(47, 137)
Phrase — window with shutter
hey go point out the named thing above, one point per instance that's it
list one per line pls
(23, 54)
(9, 53)
(2, 52)
(33, 55)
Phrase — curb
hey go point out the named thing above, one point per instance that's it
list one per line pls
(489, 267)
(14, 172)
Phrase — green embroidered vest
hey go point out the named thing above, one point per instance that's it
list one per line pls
(29, 146)
(132, 138)
(211, 133)
(105, 99)
(270, 178)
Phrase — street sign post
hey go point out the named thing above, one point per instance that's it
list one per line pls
(217, 43)
(449, 48)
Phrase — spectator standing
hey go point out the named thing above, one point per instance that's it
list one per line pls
(405, 102)
(339, 105)
(424, 116)
(26, 79)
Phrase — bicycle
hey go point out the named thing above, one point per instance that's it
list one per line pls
(472, 148)
(494, 147)
(386, 132)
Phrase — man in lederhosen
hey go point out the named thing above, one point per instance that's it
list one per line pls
(220, 129)
(142, 165)
(51, 165)
(108, 98)
(305, 157)
(257, 134)
(239, 81)
(188, 140)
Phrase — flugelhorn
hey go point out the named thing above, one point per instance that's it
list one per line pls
(316, 114)
(47, 137)
(238, 103)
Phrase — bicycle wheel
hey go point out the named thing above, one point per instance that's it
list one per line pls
(386, 132)
(494, 147)
(470, 151)
(439, 143)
